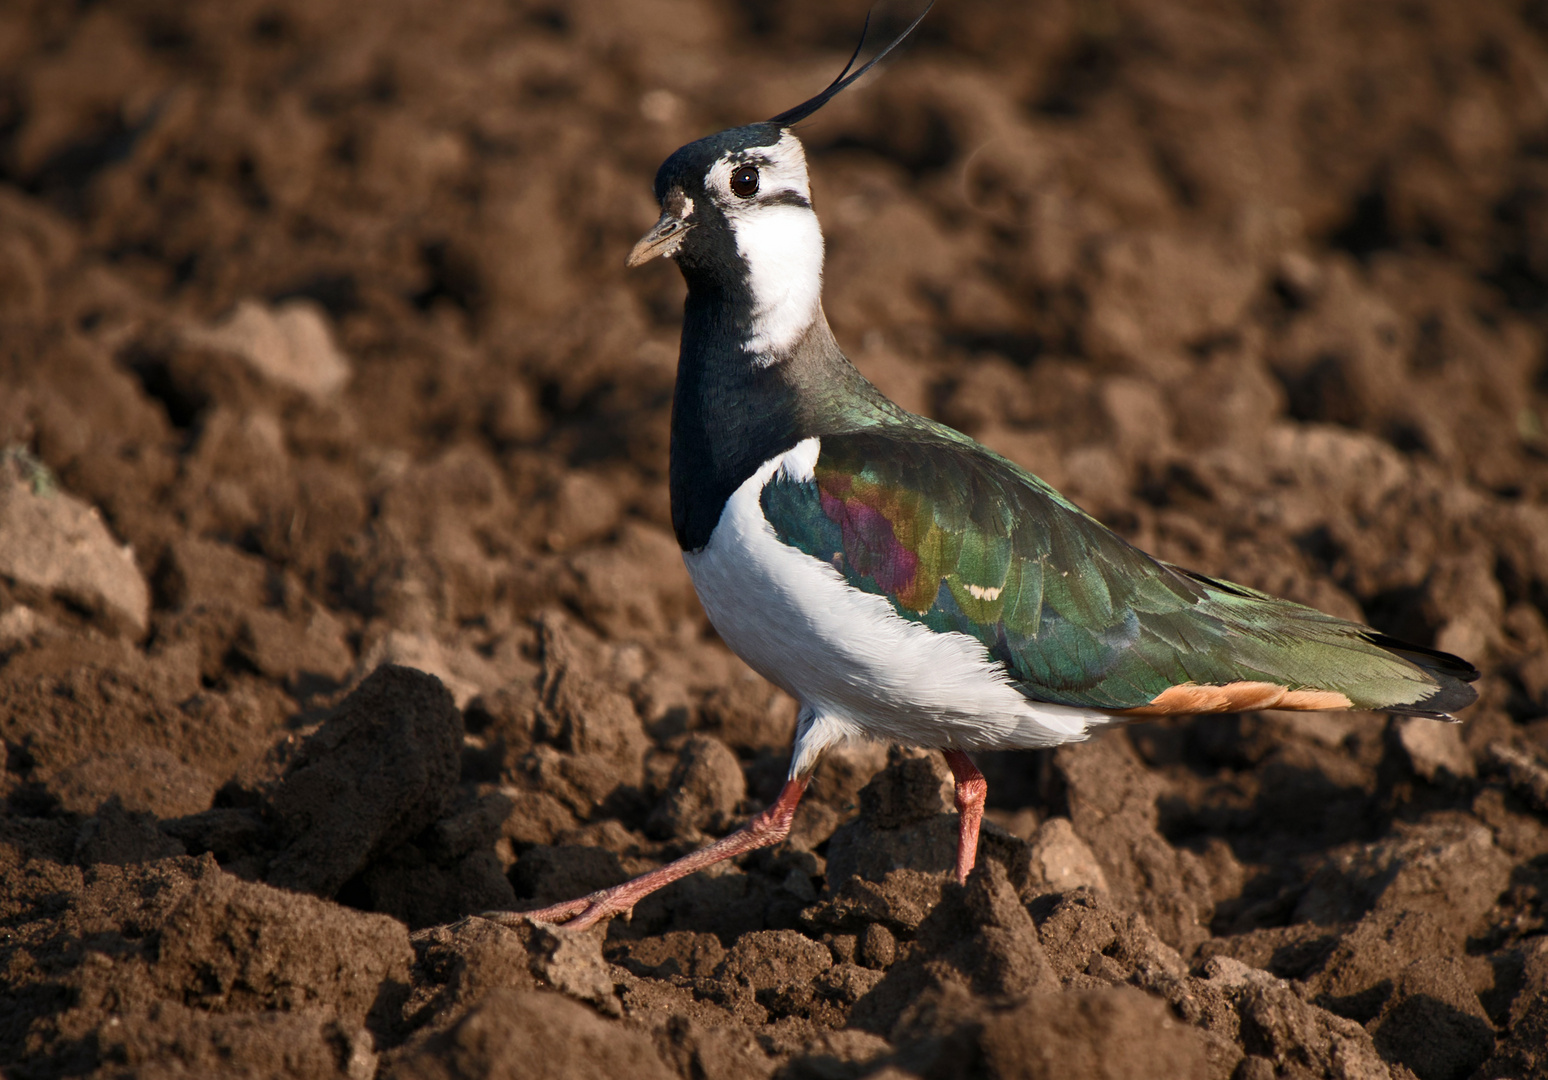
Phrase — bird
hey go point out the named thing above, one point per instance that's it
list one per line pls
(903, 582)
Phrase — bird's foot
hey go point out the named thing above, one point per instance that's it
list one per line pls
(972, 789)
(769, 827)
(576, 915)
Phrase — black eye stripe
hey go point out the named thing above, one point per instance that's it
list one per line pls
(786, 198)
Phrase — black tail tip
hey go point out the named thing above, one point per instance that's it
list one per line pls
(1452, 673)
(1451, 697)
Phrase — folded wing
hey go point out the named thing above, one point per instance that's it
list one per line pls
(965, 541)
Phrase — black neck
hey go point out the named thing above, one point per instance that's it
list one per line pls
(730, 414)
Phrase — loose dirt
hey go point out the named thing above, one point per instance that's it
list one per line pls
(339, 602)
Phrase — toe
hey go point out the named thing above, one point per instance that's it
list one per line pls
(556, 913)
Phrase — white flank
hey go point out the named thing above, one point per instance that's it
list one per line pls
(989, 593)
(856, 666)
(781, 244)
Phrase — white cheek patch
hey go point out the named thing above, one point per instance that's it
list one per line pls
(779, 240)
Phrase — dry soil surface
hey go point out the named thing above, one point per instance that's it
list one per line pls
(339, 602)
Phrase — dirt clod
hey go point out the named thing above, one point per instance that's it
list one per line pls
(378, 771)
(54, 545)
(1109, 1033)
(703, 792)
(533, 1035)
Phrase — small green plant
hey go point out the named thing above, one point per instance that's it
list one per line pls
(37, 474)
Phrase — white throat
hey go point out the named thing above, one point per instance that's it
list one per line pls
(782, 246)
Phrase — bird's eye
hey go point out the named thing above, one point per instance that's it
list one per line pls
(744, 182)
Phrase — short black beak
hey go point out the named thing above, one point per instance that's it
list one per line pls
(663, 239)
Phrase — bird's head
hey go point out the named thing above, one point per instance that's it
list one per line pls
(736, 215)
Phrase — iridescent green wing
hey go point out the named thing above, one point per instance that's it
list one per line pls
(960, 539)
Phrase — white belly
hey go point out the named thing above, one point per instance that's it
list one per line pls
(857, 666)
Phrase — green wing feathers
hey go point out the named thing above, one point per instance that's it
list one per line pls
(962, 540)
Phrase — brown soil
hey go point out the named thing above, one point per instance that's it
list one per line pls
(319, 307)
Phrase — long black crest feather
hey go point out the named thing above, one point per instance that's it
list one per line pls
(845, 77)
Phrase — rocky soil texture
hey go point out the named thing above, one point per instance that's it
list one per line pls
(339, 602)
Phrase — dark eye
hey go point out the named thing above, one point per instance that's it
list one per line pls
(744, 182)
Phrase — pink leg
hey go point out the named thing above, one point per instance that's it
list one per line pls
(971, 789)
(766, 828)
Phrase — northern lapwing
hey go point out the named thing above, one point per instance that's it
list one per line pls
(896, 578)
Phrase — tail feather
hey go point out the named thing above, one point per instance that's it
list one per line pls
(1451, 674)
